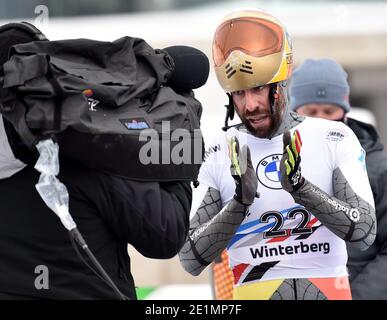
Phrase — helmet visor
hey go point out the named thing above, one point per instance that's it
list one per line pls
(254, 37)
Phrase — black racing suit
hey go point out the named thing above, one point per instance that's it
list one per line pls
(367, 268)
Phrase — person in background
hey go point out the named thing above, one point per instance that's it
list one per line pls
(319, 88)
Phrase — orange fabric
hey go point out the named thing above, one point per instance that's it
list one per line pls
(223, 278)
(334, 288)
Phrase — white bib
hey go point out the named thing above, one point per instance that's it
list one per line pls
(280, 239)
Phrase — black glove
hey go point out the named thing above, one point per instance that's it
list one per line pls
(291, 178)
(243, 173)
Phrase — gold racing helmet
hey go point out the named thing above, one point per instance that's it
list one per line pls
(251, 48)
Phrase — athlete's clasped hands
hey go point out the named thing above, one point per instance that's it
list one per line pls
(243, 172)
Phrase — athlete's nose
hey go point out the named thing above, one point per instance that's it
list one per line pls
(250, 101)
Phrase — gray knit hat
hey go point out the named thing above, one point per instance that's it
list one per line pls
(319, 81)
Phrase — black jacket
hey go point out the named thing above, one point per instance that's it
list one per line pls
(110, 213)
(368, 269)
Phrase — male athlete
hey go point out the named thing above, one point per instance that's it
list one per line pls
(285, 238)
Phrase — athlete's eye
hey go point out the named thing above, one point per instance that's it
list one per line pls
(260, 88)
(238, 93)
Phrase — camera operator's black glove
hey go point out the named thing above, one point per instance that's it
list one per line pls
(291, 178)
(243, 173)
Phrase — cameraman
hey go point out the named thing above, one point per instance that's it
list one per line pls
(37, 259)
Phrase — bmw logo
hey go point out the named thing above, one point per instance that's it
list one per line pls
(268, 171)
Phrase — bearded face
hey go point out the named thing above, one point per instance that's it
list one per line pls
(253, 107)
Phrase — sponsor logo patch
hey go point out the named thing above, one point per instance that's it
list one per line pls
(135, 123)
(336, 135)
(281, 250)
(321, 92)
(352, 213)
(268, 171)
(211, 150)
(91, 101)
